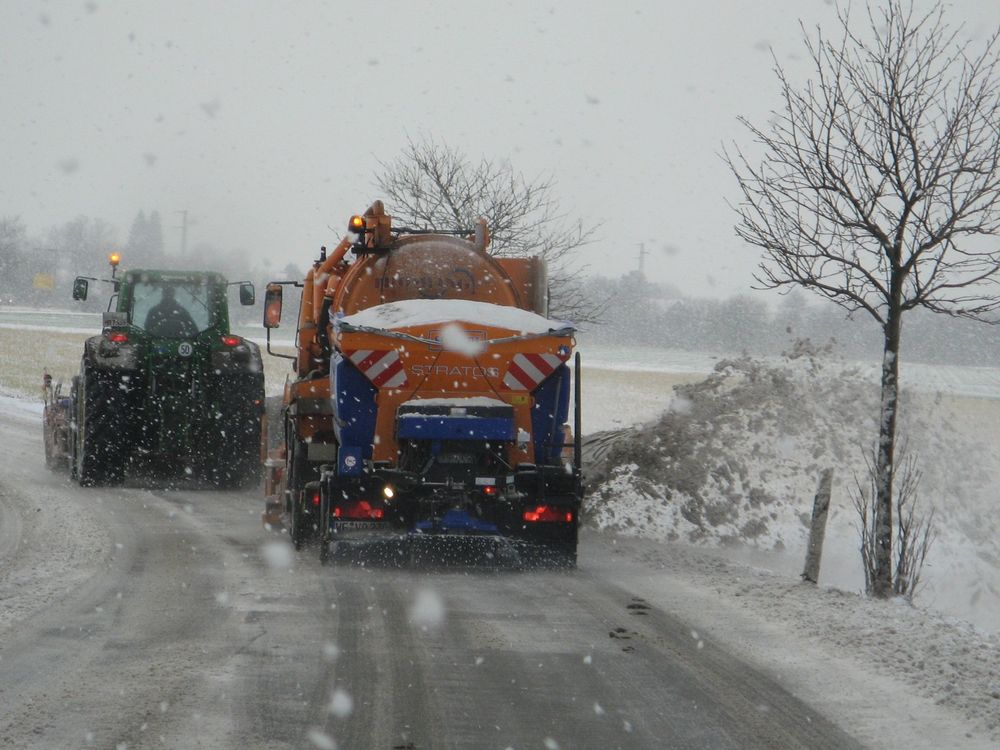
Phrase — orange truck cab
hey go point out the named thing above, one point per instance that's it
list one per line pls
(431, 395)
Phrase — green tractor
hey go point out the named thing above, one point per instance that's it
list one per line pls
(166, 387)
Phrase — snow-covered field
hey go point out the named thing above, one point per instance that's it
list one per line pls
(978, 382)
(735, 463)
(945, 650)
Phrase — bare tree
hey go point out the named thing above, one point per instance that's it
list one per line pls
(433, 186)
(914, 533)
(83, 245)
(878, 189)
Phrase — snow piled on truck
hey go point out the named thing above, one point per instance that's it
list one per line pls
(419, 312)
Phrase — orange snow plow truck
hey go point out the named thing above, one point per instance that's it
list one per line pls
(430, 396)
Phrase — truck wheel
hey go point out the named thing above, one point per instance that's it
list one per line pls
(296, 523)
(301, 527)
(101, 434)
(324, 526)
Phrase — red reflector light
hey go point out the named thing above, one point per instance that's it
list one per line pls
(548, 513)
(316, 498)
(232, 340)
(358, 509)
(118, 337)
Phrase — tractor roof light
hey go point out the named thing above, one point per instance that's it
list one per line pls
(357, 224)
(114, 259)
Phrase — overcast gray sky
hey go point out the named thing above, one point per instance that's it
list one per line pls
(265, 120)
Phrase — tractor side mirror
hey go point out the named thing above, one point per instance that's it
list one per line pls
(272, 306)
(80, 286)
(247, 296)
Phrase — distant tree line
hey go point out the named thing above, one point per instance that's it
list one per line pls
(37, 270)
(646, 313)
(635, 311)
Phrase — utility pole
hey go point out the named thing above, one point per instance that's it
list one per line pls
(643, 252)
(184, 231)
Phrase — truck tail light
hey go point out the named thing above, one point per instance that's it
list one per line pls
(358, 509)
(232, 340)
(118, 337)
(548, 514)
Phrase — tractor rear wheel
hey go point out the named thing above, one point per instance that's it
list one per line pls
(101, 428)
(235, 457)
(230, 436)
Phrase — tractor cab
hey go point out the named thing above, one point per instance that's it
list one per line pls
(175, 307)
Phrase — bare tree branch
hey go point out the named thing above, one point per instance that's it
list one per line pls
(431, 185)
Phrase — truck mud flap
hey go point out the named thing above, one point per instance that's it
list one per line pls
(448, 551)
(420, 550)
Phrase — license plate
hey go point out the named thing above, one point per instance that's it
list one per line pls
(357, 525)
(455, 458)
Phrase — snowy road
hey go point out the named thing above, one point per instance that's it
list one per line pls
(136, 618)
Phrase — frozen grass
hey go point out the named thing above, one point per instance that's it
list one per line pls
(616, 399)
(25, 354)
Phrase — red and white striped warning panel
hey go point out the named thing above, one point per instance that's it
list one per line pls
(528, 370)
(382, 367)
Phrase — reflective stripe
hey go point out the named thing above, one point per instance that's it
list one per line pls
(383, 368)
(528, 370)
(392, 375)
